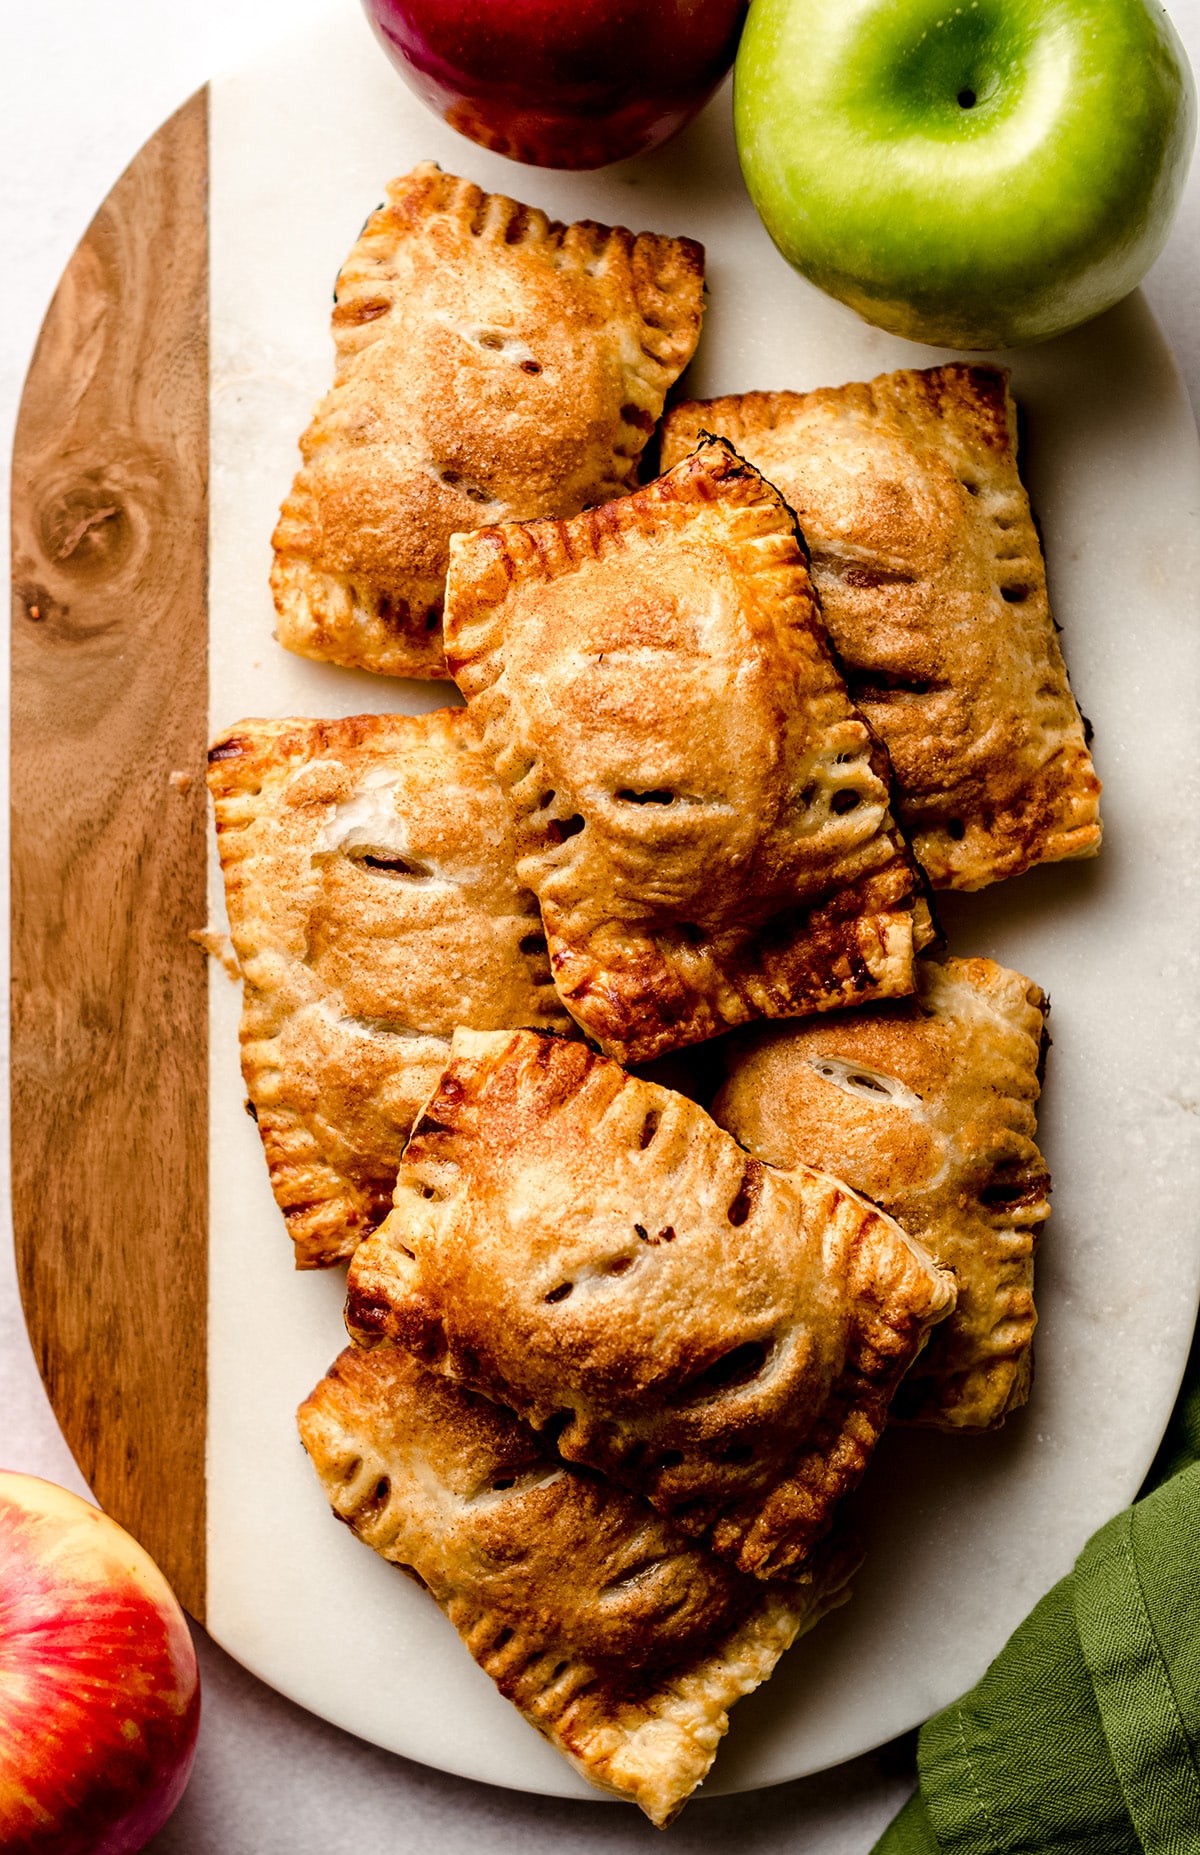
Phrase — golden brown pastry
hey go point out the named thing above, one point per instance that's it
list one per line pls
(700, 810)
(928, 1107)
(621, 1641)
(373, 904)
(491, 366)
(933, 587)
(594, 1252)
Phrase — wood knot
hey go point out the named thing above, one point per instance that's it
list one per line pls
(85, 530)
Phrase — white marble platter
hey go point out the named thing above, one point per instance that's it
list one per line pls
(964, 1534)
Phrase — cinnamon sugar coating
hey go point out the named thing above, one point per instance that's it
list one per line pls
(931, 580)
(929, 1107)
(492, 366)
(618, 1638)
(374, 905)
(593, 1251)
(700, 810)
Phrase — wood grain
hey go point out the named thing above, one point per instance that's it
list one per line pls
(109, 703)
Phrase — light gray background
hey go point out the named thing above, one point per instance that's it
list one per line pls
(81, 88)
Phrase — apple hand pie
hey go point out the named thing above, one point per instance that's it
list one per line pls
(593, 1251)
(491, 366)
(619, 1640)
(700, 810)
(374, 905)
(933, 587)
(928, 1107)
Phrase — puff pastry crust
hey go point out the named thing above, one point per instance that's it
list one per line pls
(491, 366)
(591, 1250)
(929, 1107)
(700, 810)
(616, 1637)
(933, 587)
(373, 904)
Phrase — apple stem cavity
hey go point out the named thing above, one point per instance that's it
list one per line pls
(977, 174)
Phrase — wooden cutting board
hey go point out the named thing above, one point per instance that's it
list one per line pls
(109, 726)
(174, 1337)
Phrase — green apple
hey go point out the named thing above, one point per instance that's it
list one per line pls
(973, 173)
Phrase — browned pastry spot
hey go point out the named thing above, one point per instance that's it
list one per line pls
(933, 587)
(616, 1637)
(700, 810)
(491, 366)
(374, 904)
(594, 1252)
(928, 1106)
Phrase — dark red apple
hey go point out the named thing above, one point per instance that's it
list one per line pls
(562, 83)
(99, 1690)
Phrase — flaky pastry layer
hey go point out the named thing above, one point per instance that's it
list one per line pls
(700, 810)
(617, 1638)
(593, 1251)
(491, 366)
(933, 587)
(373, 904)
(927, 1106)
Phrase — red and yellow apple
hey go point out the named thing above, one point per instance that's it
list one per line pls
(562, 83)
(99, 1690)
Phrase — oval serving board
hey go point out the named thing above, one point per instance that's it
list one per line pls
(173, 1335)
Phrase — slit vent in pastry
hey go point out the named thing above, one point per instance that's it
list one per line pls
(929, 1107)
(491, 366)
(621, 1641)
(373, 905)
(933, 587)
(594, 1252)
(700, 809)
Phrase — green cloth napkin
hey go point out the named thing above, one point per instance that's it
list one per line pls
(1083, 1738)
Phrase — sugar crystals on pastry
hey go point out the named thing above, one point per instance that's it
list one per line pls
(591, 1250)
(617, 1637)
(491, 366)
(373, 905)
(928, 1106)
(700, 809)
(932, 583)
